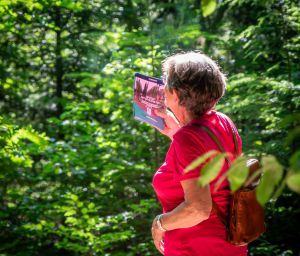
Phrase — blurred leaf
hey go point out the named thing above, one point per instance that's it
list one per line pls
(291, 119)
(208, 7)
(238, 173)
(70, 213)
(200, 160)
(295, 161)
(272, 174)
(293, 135)
(211, 169)
(293, 182)
(30, 135)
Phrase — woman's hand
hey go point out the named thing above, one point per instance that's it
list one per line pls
(157, 236)
(170, 122)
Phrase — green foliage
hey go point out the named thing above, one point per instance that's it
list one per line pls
(200, 160)
(260, 114)
(238, 173)
(211, 169)
(293, 182)
(208, 7)
(76, 169)
(272, 174)
(18, 143)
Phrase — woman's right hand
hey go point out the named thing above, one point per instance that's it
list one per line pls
(171, 124)
(158, 237)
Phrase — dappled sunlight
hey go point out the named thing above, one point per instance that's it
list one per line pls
(76, 168)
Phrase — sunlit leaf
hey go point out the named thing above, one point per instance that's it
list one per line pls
(295, 161)
(70, 213)
(30, 135)
(293, 182)
(208, 7)
(73, 197)
(200, 160)
(211, 169)
(71, 220)
(91, 205)
(238, 173)
(272, 174)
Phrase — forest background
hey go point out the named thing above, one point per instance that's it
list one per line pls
(76, 168)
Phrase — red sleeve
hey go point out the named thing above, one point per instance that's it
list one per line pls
(188, 146)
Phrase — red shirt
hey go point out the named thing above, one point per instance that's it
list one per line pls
(208, 238)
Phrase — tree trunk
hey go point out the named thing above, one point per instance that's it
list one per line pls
(58, 64)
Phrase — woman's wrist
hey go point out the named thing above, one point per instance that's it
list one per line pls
(159, 224)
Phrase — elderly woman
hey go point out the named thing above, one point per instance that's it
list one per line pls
(188, 225)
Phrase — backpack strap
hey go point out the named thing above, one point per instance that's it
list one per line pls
(235, 141)
(210, 133)
(212, 136)
(215, 140)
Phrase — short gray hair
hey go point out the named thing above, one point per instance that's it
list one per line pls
(197, 80)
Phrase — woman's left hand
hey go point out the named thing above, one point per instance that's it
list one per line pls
(171, 124)
(158, 237)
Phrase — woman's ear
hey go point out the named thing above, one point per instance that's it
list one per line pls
(175, 95)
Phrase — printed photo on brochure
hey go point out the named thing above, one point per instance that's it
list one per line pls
(148, 95)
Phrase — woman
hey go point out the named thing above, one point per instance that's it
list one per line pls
(188, 225)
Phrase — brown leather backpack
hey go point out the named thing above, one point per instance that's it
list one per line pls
(245, 221)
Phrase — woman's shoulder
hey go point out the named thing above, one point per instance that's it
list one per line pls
(224, 117)
(188, 134)
(216, 119)
(188, 143)
(227, 123)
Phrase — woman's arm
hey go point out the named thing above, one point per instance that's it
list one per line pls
(195, 208)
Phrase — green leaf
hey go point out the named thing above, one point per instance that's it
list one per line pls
(238, 173)
(200, 160)
(71, 220)
(31, 135)
(295, 161)
(211, 169)
(84, 210)
(3, 129)
(293, 135)
(71, 5)
(208, 7)
(70, 213)
(293, 182)
(91, 205)
(73, 197)
(272, 174)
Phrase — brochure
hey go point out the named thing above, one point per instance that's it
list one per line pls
(148, 95)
